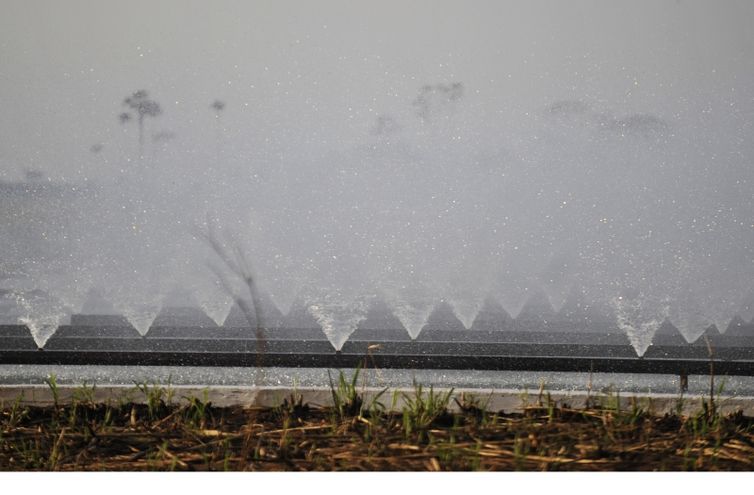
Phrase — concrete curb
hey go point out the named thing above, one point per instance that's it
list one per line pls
(495, 400)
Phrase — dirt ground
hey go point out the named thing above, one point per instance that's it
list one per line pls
(353, 434)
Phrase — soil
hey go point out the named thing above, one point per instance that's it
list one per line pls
(194, 435)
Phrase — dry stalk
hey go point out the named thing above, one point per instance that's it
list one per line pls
(235, 261)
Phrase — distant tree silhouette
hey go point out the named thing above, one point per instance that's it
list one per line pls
(431, 97)
(33, 175)
(218, 106)
(384, 125)
(142, 106)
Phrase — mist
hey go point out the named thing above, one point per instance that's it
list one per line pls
(354, 152)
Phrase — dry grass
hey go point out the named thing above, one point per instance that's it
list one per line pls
(194, 435)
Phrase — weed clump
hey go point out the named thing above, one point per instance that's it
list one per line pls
(419, 431)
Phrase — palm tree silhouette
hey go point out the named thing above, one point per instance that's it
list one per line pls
(140, 103)
(218, 106)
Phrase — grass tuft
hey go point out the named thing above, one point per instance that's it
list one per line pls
(155, 434)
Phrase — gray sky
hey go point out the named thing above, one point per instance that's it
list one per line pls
(298, 74)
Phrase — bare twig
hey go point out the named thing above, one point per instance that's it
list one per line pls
(236, 262)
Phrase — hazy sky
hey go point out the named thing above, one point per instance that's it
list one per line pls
(298, 74)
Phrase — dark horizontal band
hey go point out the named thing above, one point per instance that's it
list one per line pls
(534, 351)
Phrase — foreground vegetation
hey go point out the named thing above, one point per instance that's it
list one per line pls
(418, 430)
